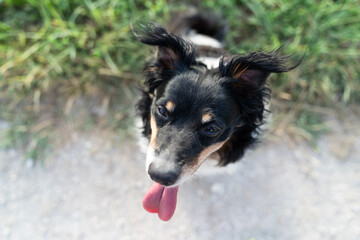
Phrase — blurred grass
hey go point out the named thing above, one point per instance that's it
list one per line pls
(63, 49)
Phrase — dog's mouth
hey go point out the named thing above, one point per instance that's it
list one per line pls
(161, 197)
(161, 200)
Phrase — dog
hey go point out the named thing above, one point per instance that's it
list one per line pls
(198, 101)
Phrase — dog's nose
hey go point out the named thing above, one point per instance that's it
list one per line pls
(165, 178)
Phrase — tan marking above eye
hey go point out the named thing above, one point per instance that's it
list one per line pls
(154, 130)
(207, 117)
(170, 106)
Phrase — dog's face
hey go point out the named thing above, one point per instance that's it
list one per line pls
(192, 116)
(190, 112)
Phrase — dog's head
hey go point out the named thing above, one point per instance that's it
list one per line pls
(190, 112)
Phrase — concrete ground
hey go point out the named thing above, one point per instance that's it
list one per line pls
(93, 185)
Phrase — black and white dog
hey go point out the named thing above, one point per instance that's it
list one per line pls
(198, 101)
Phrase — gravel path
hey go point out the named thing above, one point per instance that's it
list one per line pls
(92, 187)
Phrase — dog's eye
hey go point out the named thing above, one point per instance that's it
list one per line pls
(162, 112)
(211, 131)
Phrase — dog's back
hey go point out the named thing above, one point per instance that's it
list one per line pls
(206, 30)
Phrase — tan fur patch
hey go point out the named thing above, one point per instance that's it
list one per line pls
(209, 150)
(154, 131)
(191, 168)
(239, 70)
(240, 125)
(170, 106)
(206, 118)
(152, 69)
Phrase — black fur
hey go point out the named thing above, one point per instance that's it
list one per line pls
(156, 72)
(240, 81)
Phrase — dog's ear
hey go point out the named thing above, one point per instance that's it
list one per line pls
(245, 77)
(249, 72)
(173, 53)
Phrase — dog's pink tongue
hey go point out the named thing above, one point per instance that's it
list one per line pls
(161, 200)
(168, 203)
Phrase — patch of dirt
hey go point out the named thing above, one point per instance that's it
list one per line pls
(93, 185)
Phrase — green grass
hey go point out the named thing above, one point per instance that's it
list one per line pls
(68, 48)
(49, 42)
(329, 32)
